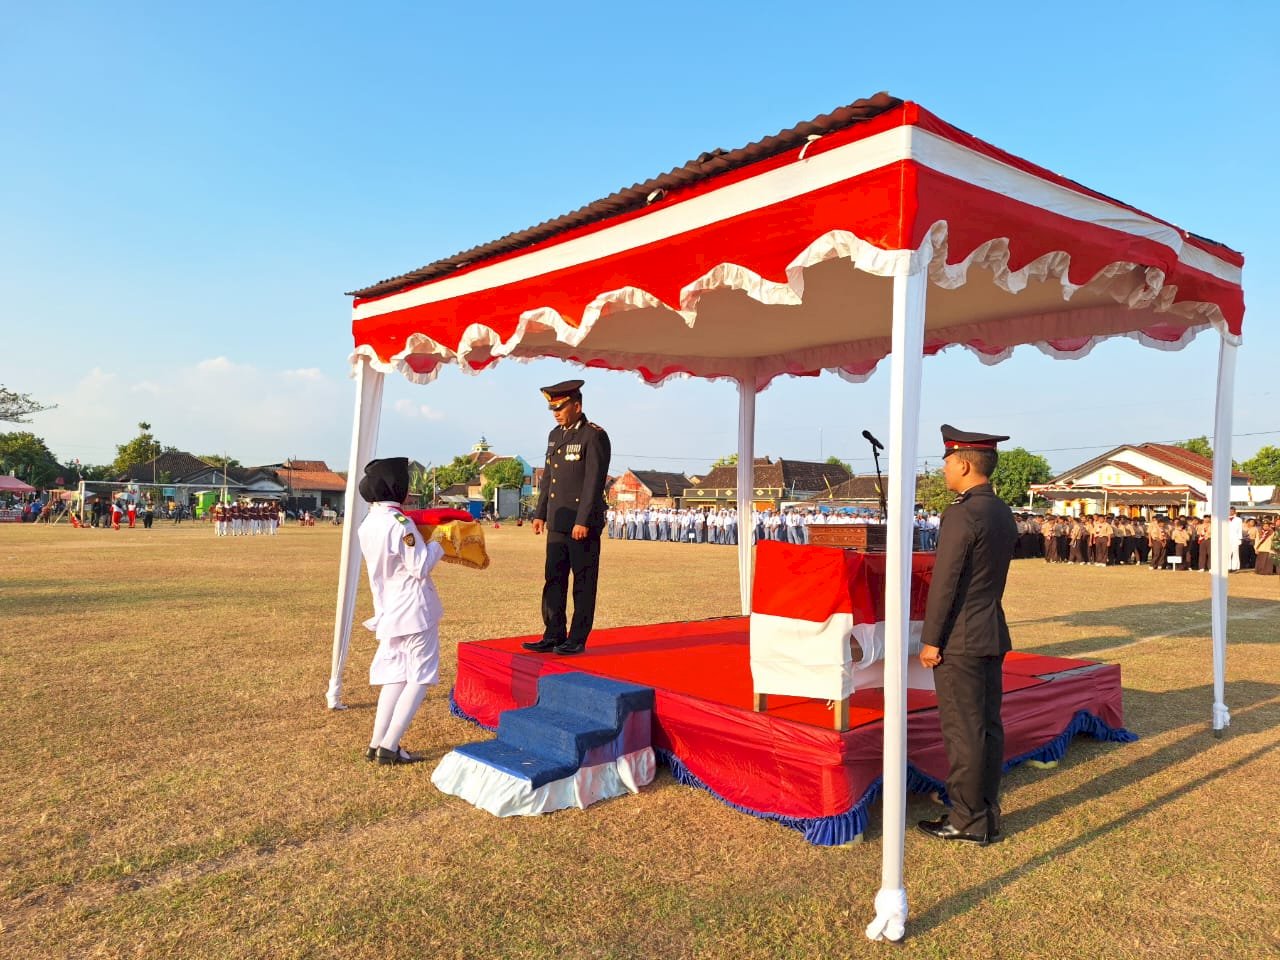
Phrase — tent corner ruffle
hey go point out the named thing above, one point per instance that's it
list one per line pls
(1168, 324)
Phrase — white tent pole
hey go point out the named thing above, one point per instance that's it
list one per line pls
(906, 364)
(1220, 504)
(364, 440)
(746, 482)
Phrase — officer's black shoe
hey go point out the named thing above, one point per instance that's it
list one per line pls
(569, 648)
(941, 829)
(397, 756)
(371, 753)
(545, 645)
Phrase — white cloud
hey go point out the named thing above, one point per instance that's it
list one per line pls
(256, 415)
(305, 373)
(417, 411)
(215, 365)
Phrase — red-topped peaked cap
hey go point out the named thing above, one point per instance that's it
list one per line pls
(954, 439)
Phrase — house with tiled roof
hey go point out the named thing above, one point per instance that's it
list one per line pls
(1138, 480)
(310, 484)
(857, 491)
(776, 482)
(637, 489)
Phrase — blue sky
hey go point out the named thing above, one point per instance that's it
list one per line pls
(187, 191)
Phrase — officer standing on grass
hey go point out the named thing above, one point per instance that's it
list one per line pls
(965, 636)
(571, 508)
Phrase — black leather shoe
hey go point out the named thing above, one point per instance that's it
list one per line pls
(568, 649)
(545, 645)
(941, 829)
(387, 757)
(371, 753)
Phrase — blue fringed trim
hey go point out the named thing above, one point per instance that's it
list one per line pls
(1082, 722)
(841, 828)
(844, 827)
(461, 714)
(820, 831)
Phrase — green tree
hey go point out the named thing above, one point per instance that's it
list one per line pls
(141, 449)
(28, 458)
(18, 407)
(503, 473)
(1016, 471)
(462, 469)
(835, 461)
(1263, 466)
(422, 483)
(95, 471)
(932, 492)
(1198, 445)
(730, 461)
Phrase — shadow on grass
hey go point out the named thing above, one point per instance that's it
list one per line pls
(1143, 619)
(1148, 713)
(1198, 745)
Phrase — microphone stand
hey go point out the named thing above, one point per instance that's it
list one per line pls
(884, 506)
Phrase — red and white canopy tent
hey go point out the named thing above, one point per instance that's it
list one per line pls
(876, 231)
(14, 485)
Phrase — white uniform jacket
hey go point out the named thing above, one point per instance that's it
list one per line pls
(399, 561)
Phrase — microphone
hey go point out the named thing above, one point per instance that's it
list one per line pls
(866, 435)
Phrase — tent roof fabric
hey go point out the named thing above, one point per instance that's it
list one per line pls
(636, 197)
(737, 266)
(14, 485)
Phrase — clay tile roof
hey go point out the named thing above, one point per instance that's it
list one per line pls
(310, 475)
(1147, 479)
(855, 488)
(705, 166)
(1186, 460)
(663, 483)
(806, 475)
(727, 476)
(174, 463)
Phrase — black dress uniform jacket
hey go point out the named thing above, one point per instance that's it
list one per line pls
(964, 615)
(571, 491)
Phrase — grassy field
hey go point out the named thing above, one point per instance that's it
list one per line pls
(174, 787)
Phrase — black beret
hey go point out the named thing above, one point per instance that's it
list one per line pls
(386, 480)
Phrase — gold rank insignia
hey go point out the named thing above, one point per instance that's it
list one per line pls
(409, 540)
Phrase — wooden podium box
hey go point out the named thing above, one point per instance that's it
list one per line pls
(864, 537)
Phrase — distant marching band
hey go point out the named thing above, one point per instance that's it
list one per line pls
(245, 519)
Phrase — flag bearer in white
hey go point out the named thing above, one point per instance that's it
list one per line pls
(406, 608)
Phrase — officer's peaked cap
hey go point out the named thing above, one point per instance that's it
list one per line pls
(953, 440)
(558, 394)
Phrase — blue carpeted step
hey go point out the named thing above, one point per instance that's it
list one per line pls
(603, 700)
(536, 768)
(561, 737)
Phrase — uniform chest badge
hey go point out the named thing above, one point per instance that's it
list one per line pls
(409, 540)
(573, 451)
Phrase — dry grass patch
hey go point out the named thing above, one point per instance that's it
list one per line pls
(174, 787)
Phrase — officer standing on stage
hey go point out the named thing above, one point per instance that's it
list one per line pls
(965, 636)
(571, 508)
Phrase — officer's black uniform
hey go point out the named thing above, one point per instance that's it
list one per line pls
(965, 619)
(571, 493)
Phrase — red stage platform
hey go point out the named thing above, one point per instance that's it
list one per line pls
(786, 763)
